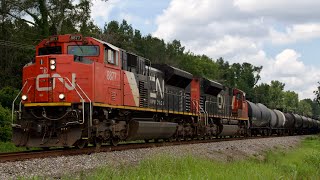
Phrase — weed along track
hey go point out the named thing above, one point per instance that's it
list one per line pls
(24, 155)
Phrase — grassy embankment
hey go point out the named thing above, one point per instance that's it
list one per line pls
(10, 147)
(300, 163)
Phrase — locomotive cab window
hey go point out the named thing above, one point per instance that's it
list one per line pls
(50, 50)
(239, 96)
(111, 56)
(83, 50)
(219, 100)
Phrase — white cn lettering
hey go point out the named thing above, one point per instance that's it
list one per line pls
(220, 101)
(44, 70)
(159, 88)
(41, 76)
(55, 76)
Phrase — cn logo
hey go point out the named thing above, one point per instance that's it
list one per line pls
(55, 76)
(159, 88)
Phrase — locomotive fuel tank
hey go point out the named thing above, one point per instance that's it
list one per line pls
(298, 121)
(281, 118)
(274, 119)
(289, 123)
(151, 130)
(229, 130)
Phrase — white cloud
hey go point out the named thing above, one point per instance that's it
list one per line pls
(295, 33)
(289, 69)
(237, 30)
(285, 10)
(101, 10)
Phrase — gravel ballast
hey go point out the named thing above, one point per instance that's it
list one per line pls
(220, 151)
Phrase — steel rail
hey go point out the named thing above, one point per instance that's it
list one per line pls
(24, 155)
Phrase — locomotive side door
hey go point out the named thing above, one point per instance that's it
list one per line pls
(112, 76)
(43, 84)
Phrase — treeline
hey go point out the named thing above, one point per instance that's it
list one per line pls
(19, 35)
(274, 96)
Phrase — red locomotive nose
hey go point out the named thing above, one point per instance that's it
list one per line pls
(50, 79)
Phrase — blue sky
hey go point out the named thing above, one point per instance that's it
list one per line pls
(308, 49)
(140, 13)
(281, 35)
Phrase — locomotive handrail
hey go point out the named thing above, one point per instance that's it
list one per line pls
(206, 115)
(212, 102)
(90, 108)
(181, 97)
(79, 96)
(199, 109)
(224, 109)
(194, 104)
(20, 104)
(12, 110)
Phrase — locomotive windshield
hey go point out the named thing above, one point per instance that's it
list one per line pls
(83, 50)
(50, 50)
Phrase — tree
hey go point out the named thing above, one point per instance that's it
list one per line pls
(314, 106)
(290, 101)
(276, 95)
(317, 93)
(5, 124)
(262, 94)
(246, 76)
(7, 95)
(225, 74)
(305, 108)
(49, 16)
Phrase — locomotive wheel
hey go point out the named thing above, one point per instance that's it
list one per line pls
(81, 143)
(249, 133)
(97, 142)
(115, 141)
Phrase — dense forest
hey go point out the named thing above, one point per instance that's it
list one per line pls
(24, 23)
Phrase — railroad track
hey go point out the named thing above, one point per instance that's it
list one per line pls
(24, 155)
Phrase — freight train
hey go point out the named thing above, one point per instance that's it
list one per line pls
(80, 90)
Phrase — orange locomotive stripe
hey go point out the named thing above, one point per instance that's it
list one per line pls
(47, 104)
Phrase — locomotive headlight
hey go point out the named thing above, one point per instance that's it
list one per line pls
(61, 96)
(52, 61)
(52, 67)
(24, 97)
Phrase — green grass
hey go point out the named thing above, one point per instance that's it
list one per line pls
(10, 147)
(300, 163)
